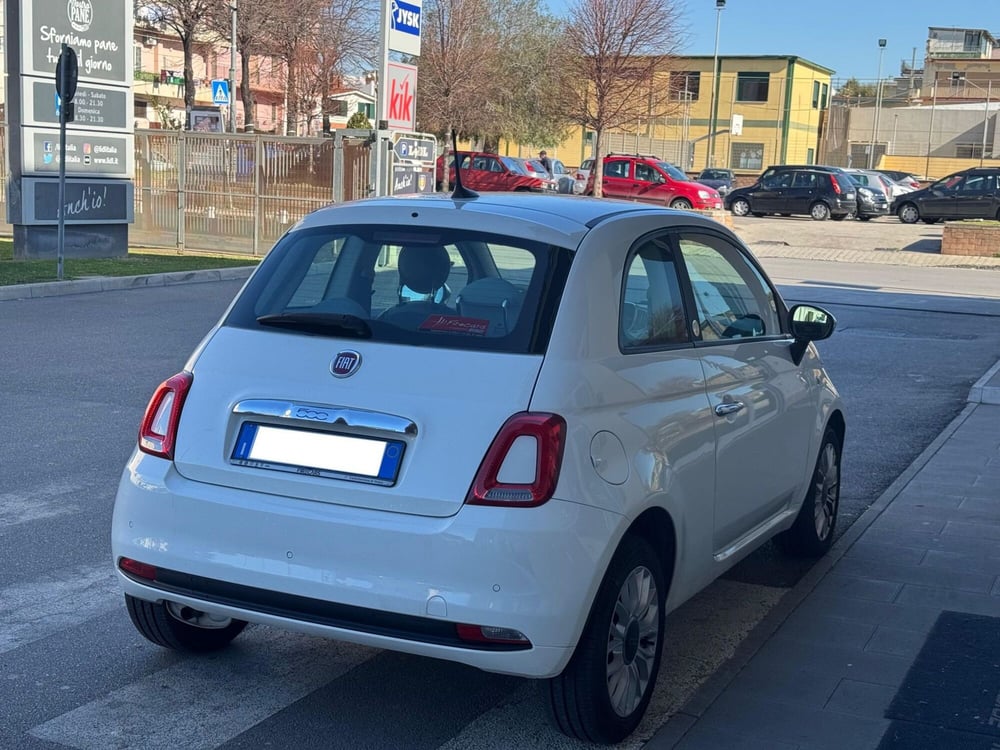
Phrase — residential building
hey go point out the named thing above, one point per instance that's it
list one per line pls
(159, 81)
(768, 109)
(961, 64)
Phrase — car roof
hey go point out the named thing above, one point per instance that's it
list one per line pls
(557, 219)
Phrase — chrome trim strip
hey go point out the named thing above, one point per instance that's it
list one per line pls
(332, 415)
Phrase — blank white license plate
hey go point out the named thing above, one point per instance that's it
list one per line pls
(318, 453)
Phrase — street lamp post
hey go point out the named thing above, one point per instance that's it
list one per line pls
(878, 104)
(232, 71)
(712, 114)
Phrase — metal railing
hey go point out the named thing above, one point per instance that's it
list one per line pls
(239, 193)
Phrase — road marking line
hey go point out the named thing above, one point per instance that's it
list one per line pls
(40, 608)
(205, 701)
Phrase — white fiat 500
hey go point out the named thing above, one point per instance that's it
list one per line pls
(512, 431)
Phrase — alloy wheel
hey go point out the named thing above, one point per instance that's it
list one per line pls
(633, 641)
(826, 491)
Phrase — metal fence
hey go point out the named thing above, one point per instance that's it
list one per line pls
(239, 193)
(236, 193)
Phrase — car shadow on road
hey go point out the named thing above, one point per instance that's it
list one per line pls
(931, 244)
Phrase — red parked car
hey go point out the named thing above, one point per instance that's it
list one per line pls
(651, 180)
(481, 171)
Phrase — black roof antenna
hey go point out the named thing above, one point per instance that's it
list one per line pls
(461, 192)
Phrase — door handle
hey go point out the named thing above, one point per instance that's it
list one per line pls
(730, 407)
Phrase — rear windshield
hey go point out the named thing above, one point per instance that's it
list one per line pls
(421, 286)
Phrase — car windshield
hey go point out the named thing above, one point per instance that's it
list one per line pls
(714, 174)
(411, 285)
(673, 172)
(514, 165)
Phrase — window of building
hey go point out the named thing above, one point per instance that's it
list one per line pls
(368, 110)
(747, 156)
(752, 87)
(972, 41)
(137, 58)
(825, 97)
(969, 150)
(810, 156)
(815, 94)
(685, 85)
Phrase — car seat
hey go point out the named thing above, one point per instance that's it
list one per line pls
(423, 269)
(492, 299)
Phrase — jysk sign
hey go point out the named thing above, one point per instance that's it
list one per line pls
(404, 26)
(96, 29)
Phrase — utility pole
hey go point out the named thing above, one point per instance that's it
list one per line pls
(878, 104)
(714, 103)
(232, 71)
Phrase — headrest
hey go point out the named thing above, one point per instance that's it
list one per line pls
(424, 268)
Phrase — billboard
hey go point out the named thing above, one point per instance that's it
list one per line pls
(401, 92)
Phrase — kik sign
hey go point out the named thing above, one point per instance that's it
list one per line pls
(401, 94)
(404, 26)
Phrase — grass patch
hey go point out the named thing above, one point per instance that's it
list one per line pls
(136, 263)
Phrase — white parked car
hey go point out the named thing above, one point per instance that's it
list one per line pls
(512, 431)
(582, 175)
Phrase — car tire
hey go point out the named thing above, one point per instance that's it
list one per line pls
(819, 211)
(839, 217)
(812, 533)
(157, 623)
(740, 207)
(681, 204)
(908, 213)
(603, 693)
(864, 218)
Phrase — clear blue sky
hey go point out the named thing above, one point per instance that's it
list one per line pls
(839, 35)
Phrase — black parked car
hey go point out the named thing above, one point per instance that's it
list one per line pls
(723, 180)
(970, 194)
(872, 201)
(820, 192)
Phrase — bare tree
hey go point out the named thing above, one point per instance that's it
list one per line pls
(623, 52)
(254, 20)
(345, 43)
(187, 19)
(455, 68)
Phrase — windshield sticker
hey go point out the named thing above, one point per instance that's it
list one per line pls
(456, 324)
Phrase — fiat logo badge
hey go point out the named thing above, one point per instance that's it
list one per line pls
(345, 364)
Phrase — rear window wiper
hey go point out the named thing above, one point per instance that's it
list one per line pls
(339, 323)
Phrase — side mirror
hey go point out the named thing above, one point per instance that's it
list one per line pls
(809, 323)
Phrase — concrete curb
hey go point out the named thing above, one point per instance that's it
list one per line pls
(119, 283)
(987, 388)
(678, 725)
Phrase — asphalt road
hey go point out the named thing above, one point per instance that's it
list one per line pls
(76, 374)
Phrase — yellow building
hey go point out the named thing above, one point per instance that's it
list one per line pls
(768, 110)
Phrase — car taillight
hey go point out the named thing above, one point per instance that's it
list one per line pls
(521, 467)
(836, 185)
(158, 430)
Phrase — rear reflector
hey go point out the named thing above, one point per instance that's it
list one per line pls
(490, 634)
(138, 569)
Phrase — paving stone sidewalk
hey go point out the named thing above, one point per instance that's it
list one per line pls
(837, 663)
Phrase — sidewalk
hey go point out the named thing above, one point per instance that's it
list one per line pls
(892, 641)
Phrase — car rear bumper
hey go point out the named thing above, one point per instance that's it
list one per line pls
(388, 580)
(873, 209)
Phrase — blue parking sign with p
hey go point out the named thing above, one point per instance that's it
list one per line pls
(220, 92)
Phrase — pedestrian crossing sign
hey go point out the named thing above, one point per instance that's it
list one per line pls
(220, 92)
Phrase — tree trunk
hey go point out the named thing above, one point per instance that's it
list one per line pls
(189, 88)
(291, 96)
(249, 106)
(446, 173)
